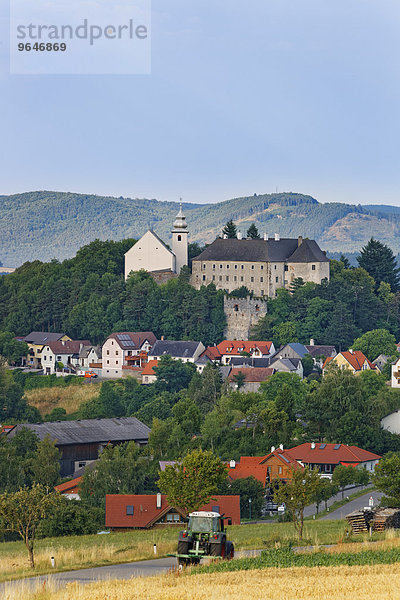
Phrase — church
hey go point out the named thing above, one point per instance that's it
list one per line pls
(151, 254)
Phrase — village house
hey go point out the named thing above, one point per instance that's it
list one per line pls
(252, 378)
(354, 360)
(148, 373)
(262, 265)
(178, 350)
(62, 354)
(287, 365)
(229, 348)
(248, 466)
(36, 341)
(317, 352)
(82, 441)
(395, 381)
(129, 511)
(126, 353)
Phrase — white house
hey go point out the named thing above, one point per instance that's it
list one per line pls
(151, 254)
(178, 350)
(126, 351)
(395, 382)
(62, 351)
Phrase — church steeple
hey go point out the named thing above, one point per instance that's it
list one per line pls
(180, 240)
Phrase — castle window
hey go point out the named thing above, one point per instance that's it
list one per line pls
(220, 266)
(204, 266)
(234, 278)
(220, 277)
(242, 266)
(261, 279)
(227, 266)
(313, 267)
(179, 238)
(262, 267)
(213, 266)
(213, 277)
(204, 277)
(236, 308)
(251, 279)
(252, 266)
(276, 279)
(286, 268)
(262, 292)
(241, 279)
(275, 267)
(235, 266)
(227, 278)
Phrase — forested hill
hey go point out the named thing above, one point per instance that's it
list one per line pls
(45, 225)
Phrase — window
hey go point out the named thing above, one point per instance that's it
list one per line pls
(204, 277)
(252, 266)
(227, 278)
(129, 509)
(235, 266)
(116, 353)
(204, 267)
(313, 267)
(112, 343)
(242, 267)
(116, 362)
(179, 238)
(276, 279)
(227, 266)
(220, 277)
(262, 267)
(280, 470)
(236, 308)
(213, 266)
(146, 378)
(261, 279)
(262, 292)
(275, 267)
(234, 278)
(220, 266)
(215, 509)
(50, 357)
(251, 279)
(58, 357)
(108, 362)
(286, 281)
(108, 352)
(286, 268)
(242, 278)
(45, 357)
(213, 277)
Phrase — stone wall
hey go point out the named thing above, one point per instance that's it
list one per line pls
(241, 315)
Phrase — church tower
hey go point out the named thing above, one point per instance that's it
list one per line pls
(180, 240)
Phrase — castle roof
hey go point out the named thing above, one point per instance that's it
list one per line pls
(257, 250)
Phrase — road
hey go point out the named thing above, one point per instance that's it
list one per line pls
(356, 504)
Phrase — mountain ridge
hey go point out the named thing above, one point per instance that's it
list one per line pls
(43, 225)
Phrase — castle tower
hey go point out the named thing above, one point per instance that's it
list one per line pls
(180, 240)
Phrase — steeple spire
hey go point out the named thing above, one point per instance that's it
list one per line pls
(180, 219)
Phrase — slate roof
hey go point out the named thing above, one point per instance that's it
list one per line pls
(290, 363)
(68, 347)
(179, 349)
(283, 250)
(137, 338)
(42, 337)
(88, 431)
(246, 361)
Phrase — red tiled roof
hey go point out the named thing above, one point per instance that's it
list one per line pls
(68, 347)
(148, 370)
(241, 471)
(355, 358)
(252, 374)
(284, 456)
(328, 455)
(69, 487)
(251, 460)
(235, 347)
(212, 353)
(146, 513)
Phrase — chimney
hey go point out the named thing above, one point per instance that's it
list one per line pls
(300, 240)
(232, 464)
(239, 235)
(158, 500)
(265, 237)
(280, 446)
(277, 238)
(312, 445)
(272, 448)
(225, 236)
(312, 342)
(351, 350)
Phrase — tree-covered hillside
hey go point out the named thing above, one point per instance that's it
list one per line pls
(45, 225)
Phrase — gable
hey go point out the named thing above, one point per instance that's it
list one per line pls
(149, 253)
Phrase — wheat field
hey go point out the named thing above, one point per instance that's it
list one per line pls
(70, 397)
(377, 582)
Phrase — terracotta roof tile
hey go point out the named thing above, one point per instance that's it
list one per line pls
(252, 374)
(235, 347)
(148, 370)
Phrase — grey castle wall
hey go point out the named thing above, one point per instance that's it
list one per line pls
(241, 315)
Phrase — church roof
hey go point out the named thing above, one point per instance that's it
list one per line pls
(257, 250)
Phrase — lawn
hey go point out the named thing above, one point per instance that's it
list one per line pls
(70, 397)
(372, 582)
(94, 550)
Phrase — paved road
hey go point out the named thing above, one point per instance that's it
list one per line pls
(356, 504)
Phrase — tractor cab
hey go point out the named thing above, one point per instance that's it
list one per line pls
(205, 522)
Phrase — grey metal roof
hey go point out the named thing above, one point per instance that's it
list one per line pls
(42, 337)
(300, 349)
(246, 361)
(283, 250)
(177, 349)
(89, 430)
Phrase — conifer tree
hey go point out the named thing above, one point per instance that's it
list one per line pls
(230, 230)
(380, 262)
(252, 232)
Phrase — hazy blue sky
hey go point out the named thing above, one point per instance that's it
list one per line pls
(244, 97)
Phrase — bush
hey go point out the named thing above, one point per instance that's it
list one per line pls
(73, 517)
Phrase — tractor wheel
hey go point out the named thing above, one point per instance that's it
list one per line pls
(230, 551)
(183, 547)
(218, 549)
(182, 563)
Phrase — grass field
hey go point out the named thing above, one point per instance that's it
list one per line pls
(96, 550)
(70, 398)
(373, 582)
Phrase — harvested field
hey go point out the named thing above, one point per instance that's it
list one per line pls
(70, 397)
(376, 582)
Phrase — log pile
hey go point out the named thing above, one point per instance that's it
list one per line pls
(378, 519)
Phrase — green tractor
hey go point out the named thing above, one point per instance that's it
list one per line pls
(205, 536)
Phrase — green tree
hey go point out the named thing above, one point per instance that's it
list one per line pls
(376, 342)
(46, 463)
(239, 380)
(387, 479)
(230, 230)
(23, 511)
(205, 388)
(252, 232)
(192, 482)
(119, 470)
(379, 261)
(297, 493)
(325, 490)
(308, 365)
(344, 476)
(248, 488)
(12, 350)
(173, 375)
(284, 333)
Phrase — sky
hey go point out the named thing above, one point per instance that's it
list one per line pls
(242, 98)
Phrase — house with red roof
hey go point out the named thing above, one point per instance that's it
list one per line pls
(70, 488)
(253, 377)
(131, 511)
(125, 353)
(248, 466)
(322, 456)
(148, 373)
(354, 360)
(229, 348)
